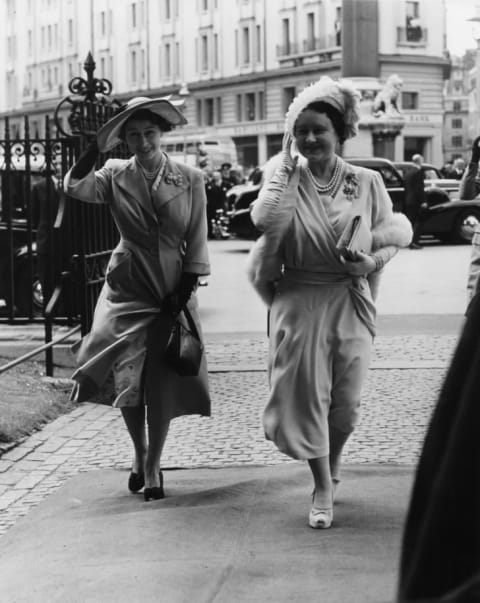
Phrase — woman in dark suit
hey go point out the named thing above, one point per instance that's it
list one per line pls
(159, 207)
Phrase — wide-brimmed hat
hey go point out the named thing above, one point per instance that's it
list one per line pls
(109, 134)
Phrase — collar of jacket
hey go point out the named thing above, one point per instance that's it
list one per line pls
(173, 182)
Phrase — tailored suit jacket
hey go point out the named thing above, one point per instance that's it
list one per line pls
(163, 232)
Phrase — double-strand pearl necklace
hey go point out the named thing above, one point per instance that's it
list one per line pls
(150, 174)
(332, 184)
(154, 176)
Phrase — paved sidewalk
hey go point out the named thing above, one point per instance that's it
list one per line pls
(400, 393)
(233, 526)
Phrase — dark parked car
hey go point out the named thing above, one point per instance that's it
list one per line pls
(14, 231)
(446, 217)
(432, 176)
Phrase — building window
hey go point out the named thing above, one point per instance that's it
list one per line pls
(103, 28)
(250, 106)
(215, 52)
(204, 53)
(219, 110)
(209, 111)
(338, 26)
(177, 58)
(204, 5)
(70, 32)
(457, 123)
(258, 53)
(310, 42)
(412, 18)
(239, 107)
(246, 45)
(261, 105)
(168, 61)
(168, 10)
(134, 15)
(133, 66)
(286, 36)
(288, 96)
(457, 141)
(236, 48)
(199, 113)
(410, 100)
(457, 106)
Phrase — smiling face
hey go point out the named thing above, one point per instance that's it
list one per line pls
(143, 138)
(315, 135)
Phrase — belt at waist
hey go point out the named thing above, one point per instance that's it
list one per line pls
(309, 277)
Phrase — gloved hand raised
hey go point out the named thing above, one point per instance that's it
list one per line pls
(289, 162)
(476, 150)
(86, 161)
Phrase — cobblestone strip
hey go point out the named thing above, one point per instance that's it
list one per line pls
(397, 405)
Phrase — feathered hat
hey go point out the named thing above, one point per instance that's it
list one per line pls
(341, 94)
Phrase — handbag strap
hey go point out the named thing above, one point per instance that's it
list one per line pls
(190, 321)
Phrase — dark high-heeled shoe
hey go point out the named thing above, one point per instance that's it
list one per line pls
(156, 492)
(136, 481)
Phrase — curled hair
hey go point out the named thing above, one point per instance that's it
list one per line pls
(146, 115)
(334, 116)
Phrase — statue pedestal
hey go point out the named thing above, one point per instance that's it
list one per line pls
(376, 131)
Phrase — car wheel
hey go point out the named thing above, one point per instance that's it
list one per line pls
(26, 290)
(465, 225)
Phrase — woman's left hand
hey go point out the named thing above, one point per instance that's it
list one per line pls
(361, 264)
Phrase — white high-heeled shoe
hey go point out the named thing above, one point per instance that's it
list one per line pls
(320, 518)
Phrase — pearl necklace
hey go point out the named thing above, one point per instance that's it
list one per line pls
(150, 174)
(332, 184)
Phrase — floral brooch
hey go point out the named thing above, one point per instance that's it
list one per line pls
(176, 179)
(351, 186)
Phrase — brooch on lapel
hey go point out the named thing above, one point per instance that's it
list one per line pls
(176, 179)
(350, 187)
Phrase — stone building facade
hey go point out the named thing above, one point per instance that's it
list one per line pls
(238, 63)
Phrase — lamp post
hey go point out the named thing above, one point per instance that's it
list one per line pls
(184, 94)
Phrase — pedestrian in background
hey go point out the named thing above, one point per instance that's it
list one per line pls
(415, 199)
(216, 200)
(322, 312)
(159, 207)
(458, 168)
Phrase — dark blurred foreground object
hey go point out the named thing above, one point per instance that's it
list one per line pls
(440, 559)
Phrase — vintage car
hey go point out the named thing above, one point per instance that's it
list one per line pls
(431, 175)
(445, 218)
(15, 235)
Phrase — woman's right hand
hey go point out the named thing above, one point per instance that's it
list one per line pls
(289, 162)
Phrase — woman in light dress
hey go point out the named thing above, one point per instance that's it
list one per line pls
(322, 312)
(159, 207)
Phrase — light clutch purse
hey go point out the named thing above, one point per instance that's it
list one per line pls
(357, 236)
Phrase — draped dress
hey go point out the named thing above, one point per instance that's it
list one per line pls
(322, 320)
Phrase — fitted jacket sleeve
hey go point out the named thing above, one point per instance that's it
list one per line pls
(95, 187)
(196, 255)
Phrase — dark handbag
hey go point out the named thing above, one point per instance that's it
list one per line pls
(184, 349)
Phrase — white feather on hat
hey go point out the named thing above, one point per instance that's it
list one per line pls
(341, 94)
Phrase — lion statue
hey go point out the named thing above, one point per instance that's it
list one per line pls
(385, 102)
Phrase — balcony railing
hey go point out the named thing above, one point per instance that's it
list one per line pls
(412, 35)
(287, 50)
